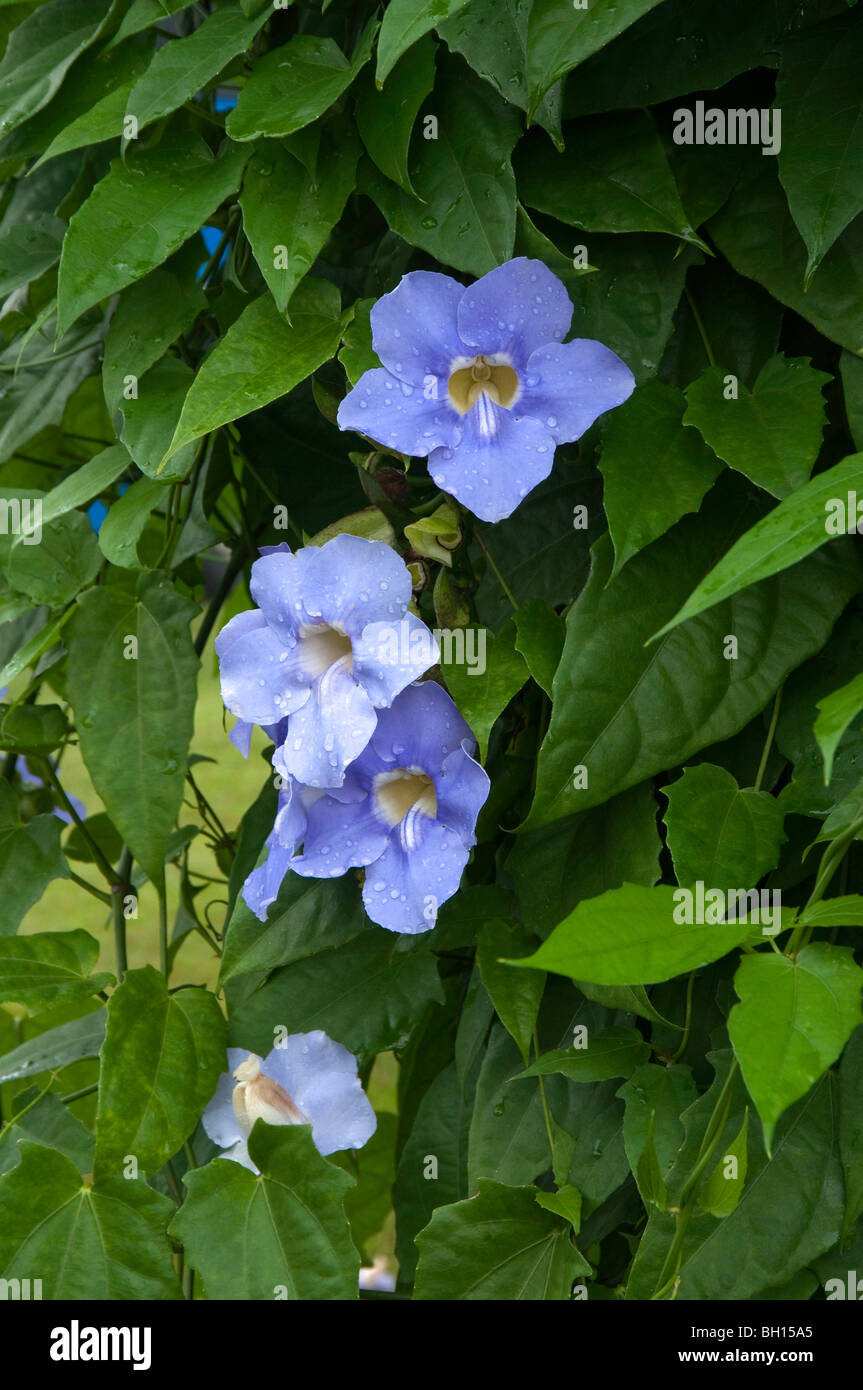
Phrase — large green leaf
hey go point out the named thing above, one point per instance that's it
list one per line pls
(281, 1234)
(835, 712)
(404, 22)
(629, 936)
(294, 84)
(58, 1047)
(439, 1131)
(30, 857)
(499, 1244)
(149, 316)
(179, 70)
(560, 37)
(784, 537)
(755, 232)
(85, 483)
(385, 120)
(772, 434)
(516, 997)
(28, 250)
(122, 528)
(142, 210)
(792, 1022)
(135, 712)
(726, 837)
(102, 1242)
(308, 916)
(41, 51)
(367, 994)
(65, 560)
(654, 469)
(162, 1056)
(48, 1122)
(624, 711)
(818, 92)
(614, 177)
(612, 1052)
(260, 358)
(49, 968)
(464, 212)
(35, 387)
(287, 216)
(87, 110)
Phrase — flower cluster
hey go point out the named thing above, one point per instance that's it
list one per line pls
(480, 381)
(375, 769)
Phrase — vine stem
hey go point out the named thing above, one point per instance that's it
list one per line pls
(500, 579)
(699, 324)
(768, 742)
(124, 869)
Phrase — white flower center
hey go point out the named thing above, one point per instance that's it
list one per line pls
(497, 381)
(259, 1097)
(407, 789)
(322, 646)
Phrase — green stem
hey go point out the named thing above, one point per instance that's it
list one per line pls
(687, 1022)
(232, 569)
(91, 888)
(124, 869)
(699, 324)
(500, 579)
(106, 868)
(79, 1095)
(768, 742)
(161, 889)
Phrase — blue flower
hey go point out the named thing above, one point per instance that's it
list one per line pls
(406, 812)
(330, 643)
(262, 886)
(480, 381)
(307, 1080)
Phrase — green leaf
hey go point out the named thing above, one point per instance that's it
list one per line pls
(103, 1242)
(366, 994)
(58, 1047)
(180, 69)
(851, 1128)
(28, 250)
(122, 528)
(464, 211)
(835, 713)
(654, 469)
(483, 691)
(497, 1245)
(41, 51)
(559, 38)
(280, 1234)
(516, 1005)
(143, 209)
(539, 639)
(357, 355)
(150, 315)
(287, 217)
(792, 1022)
(655, 1098)
(30, 858)
(261, 358)
(91, 108)
(851, 371)
(136, 712)
(294, 84)
(160, 1062)
(307, 917)
(439, 1131)
(771, 435)
(48, 1122)
(614, 177)
(385, 120)
(754, 231)
(85, 483)
(612, 1052)
(150, 419)
(49, 968)
(65, 560)
(612, 693)
(583, 855)
(404, 22)
(785, 536)
(844, 911)
(648, 1173)
(35, 387)
(822, 140)
(32, 728)
(629, 936)
(722, 1190)
(368, 1205)
(143, 13)
(566, 1203)
(719, 834)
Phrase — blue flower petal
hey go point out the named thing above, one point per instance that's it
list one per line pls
(415, 326)
(261, 888)
(421, 729)
(515, 309)
(405, 887)
(567, 386)
(499, 460)
(241, 736)
(256, 676)
(339, 837)
(461, 789)
(389, 656)
(400, 416)
(330, 730)
(321, 1078)
(219, 1119)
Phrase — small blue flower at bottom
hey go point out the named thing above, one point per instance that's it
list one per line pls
(479, 380)
(308, 1080)
(406, 813)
